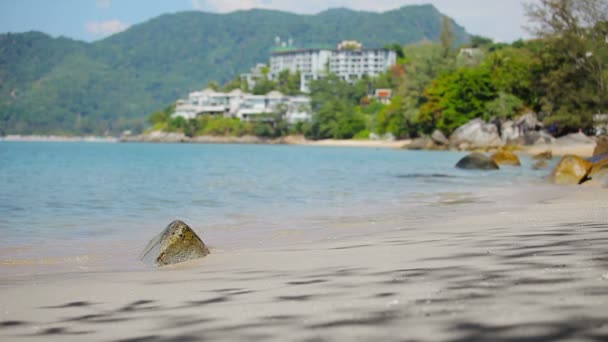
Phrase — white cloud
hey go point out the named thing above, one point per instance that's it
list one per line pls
(197, 5)
(501, 20)
(103, 3)
(105, 28)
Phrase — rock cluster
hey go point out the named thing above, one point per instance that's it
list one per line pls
(476, 134)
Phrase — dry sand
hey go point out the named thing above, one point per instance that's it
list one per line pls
(582, 150)
(502, 273)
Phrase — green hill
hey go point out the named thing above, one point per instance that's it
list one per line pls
(62, 86)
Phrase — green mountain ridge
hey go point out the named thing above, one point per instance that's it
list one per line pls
(63, 86)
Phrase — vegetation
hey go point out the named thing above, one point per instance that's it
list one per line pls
(439, 83)
(63, 86)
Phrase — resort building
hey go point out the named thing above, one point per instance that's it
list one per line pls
(246, 107)
(256, 73)
(350, 61)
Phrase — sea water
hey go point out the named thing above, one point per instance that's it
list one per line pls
(78, 193)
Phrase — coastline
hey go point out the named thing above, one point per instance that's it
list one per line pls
(511, 270)
(581, 149)
(59, 138)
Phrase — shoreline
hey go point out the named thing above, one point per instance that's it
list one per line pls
(58, 138)
(514, 269)
(582, 149)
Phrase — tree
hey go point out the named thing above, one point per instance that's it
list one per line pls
(505, 106)
(425, 62)
(480, 41)
(213, 85)
(397, 48)
(456, 98)
(288, 83)
(446, 36)
(391, 119)
(574, 59)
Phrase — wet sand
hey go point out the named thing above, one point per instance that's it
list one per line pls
(506, 272)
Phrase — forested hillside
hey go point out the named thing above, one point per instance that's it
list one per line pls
(62, 86)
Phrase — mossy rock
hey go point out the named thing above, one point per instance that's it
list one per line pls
(571, 170)
(547, 155)
(176, 243)
(599, 162)
(477, 161)
(506, 158)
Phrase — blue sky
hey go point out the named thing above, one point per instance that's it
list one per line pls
(90, 20)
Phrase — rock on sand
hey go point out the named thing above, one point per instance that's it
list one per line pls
(176, 243)
(571, 170)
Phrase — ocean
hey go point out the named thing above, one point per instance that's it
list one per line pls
(73, 197)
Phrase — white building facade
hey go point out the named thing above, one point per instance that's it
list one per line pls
(245, 106)
(349, 61)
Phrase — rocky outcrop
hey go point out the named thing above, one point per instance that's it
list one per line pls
(547, 155)
(601, 145)
(439, 138)
(571, 170)
(176, 243)
(477, 161)
(537, 138)
(506, 158)
(475, 134)
(157, 136)
(424, 143)
(510, 133)
(528, 122)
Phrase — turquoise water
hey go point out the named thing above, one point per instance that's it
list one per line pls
(83, 192)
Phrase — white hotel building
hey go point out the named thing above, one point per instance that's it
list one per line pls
(350, 61)
(245, 106)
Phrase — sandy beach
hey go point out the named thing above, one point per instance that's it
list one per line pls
(535, 269)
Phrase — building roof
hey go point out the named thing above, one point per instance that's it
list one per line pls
(236, 91)
(296, 51)
(275, 93)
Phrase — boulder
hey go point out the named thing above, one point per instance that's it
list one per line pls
(510, 133)
(439, 138)
(506, 158)
(571, 170)
(574, 139)
(477, 161)
(547, 155)
(601, 145)
(176, 243)
(600, 178)
(528, 122)
(476, 134)
(422, 143)
(599, 162)
(537, 138)
(541, 164)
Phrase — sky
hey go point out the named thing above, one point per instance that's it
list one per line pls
(89, 20)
